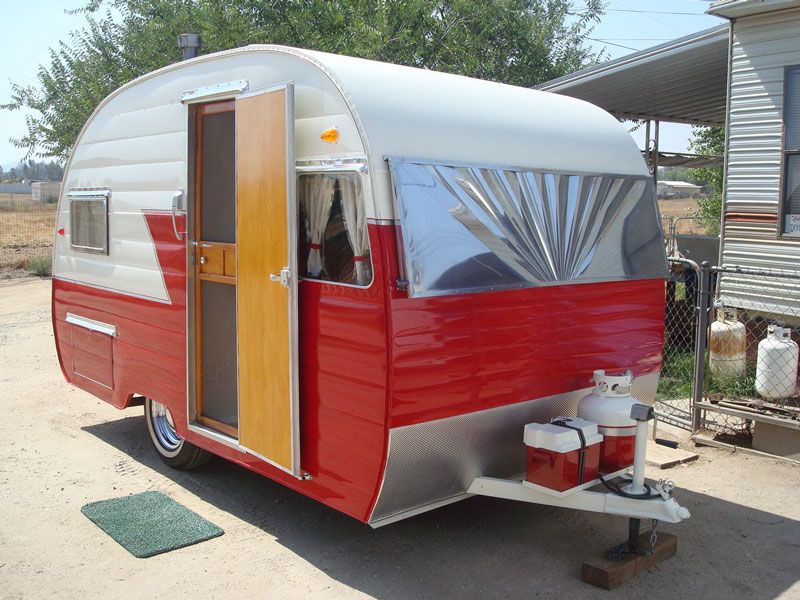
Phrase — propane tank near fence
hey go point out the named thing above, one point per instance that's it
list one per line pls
(609, 405)
(727, 345)
(776, 366)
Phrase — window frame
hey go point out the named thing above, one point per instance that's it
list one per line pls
(786, 153)
(357, 169)
(83, 195)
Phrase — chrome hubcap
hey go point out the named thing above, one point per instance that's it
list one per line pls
(164, 427)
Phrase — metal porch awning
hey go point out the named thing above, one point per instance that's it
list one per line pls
(681, 81)
(689, 161)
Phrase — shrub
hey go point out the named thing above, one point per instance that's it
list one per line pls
(40, 266)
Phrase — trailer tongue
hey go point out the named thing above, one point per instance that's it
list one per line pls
(564, 465)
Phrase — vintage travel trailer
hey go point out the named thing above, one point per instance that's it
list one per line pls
(364, 280)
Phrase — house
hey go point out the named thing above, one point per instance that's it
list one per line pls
(677, 189)
(745, 76)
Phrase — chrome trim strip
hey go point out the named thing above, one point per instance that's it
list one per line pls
(89, 193)
(113, 290)
(217, 91)
(417, 511)
(91, 324)
(215, 435)
(358, 167)
(294, 316)
(495, 166)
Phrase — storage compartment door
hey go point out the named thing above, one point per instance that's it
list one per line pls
(266, 303)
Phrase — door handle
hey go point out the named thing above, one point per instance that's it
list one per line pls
(284, 278)
(176, 201)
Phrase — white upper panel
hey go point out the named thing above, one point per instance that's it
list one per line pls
(136, 141)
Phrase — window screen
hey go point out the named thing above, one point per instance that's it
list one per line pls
(468, 229)
(89, 221)
(791, 152)
(334, 240)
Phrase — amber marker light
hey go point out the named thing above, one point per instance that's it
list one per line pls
(330, 136)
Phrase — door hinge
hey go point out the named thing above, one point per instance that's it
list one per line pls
(285, 277)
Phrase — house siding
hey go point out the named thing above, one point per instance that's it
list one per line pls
(763, 46)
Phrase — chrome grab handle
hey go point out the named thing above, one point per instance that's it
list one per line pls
(284, 278)
(176, 201)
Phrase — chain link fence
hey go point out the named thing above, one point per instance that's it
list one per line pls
(26, 233)
(730, 359)
(751, 370)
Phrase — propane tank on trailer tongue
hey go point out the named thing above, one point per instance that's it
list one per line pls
(776, 367)
(609, 405)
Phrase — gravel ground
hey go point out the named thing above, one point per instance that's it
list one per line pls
(61, 448)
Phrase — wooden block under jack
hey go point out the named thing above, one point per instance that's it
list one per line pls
(664, 458)
(608, 574)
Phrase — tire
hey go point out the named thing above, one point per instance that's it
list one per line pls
(171, 448)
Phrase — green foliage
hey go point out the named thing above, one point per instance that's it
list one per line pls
(520, 42)
(710, 208)
(709, 141)
(677, 375)
(677, 378)
(33, 170)
(743, 386)
(39, 265)
(676, 174)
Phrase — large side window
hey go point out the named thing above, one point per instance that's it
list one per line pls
(334, 242)
(88, 211)
(470, 229)
(791, 152)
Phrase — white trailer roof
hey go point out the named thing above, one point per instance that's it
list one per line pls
(409, 112)
(438, 116)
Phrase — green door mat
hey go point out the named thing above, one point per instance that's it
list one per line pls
(150, 523)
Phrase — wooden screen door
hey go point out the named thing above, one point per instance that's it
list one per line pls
(266, 271)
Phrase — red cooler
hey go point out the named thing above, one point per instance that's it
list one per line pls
(555, 453)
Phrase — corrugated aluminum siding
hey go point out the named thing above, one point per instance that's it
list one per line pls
(762, 47)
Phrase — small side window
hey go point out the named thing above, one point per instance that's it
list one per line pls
(791, 152)
(334, 241)
(88, 215)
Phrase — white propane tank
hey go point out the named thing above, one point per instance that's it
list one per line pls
(609, 405)
(727, 345)
(776, 368)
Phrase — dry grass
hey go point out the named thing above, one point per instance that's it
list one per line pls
(26, 229)
(683, 207)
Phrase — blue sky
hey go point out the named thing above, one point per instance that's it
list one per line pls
(30, 27)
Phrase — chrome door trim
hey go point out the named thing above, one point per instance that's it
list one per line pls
(91, 324)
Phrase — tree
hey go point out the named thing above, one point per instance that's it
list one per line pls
(34, 171)
(520, 42)
(710, 141)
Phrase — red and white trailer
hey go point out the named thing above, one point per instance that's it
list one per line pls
(359, 279)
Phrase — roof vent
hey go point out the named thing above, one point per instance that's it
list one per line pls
(189, 43)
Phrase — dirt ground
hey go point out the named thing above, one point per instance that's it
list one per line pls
(61, 448)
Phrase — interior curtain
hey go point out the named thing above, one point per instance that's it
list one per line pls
(356, 225)
(317, 196)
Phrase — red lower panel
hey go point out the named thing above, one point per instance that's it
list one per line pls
(343, 398)
(457, 354)
(368, 356)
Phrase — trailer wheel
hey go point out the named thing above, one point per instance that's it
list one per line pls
(172, 448)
